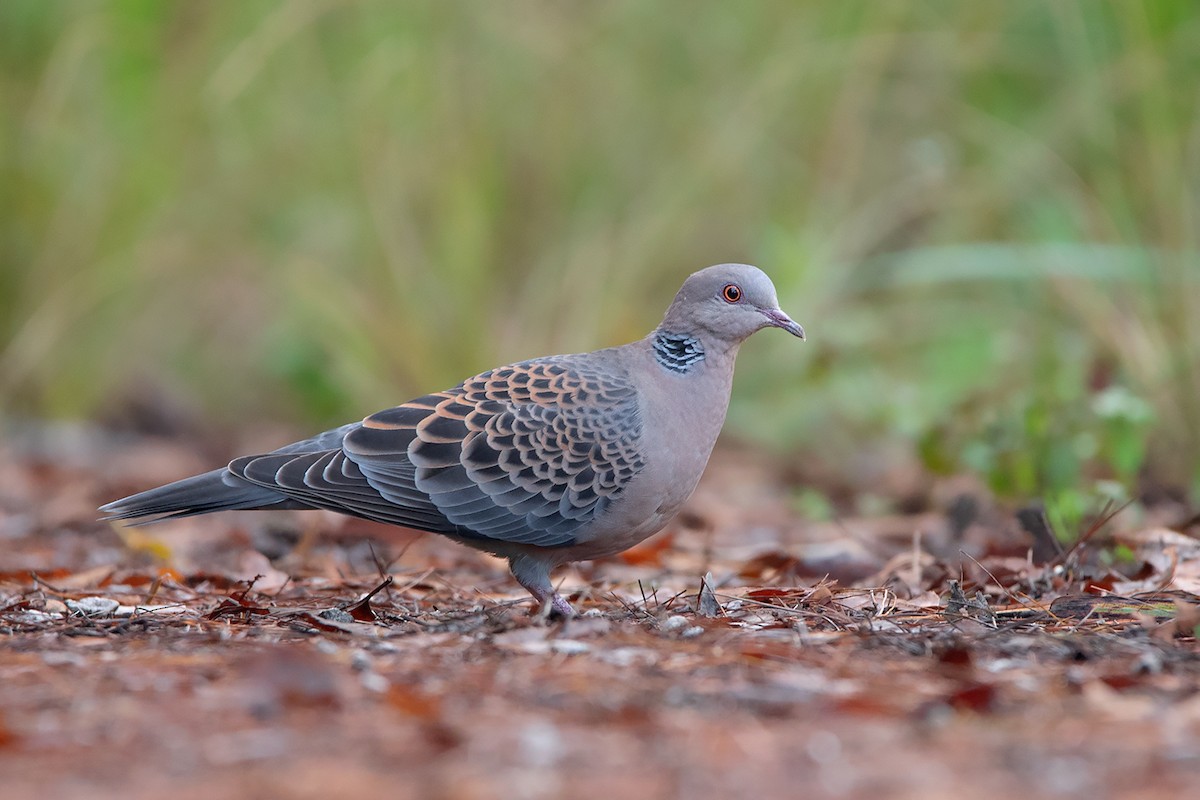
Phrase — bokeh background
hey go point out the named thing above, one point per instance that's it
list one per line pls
(246, 213)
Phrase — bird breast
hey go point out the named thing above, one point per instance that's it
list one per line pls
(681, 418)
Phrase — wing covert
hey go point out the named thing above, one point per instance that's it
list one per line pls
(526, 453)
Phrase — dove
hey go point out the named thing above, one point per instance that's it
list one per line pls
(542, 462)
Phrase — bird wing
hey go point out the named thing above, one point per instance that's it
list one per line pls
(526, 453)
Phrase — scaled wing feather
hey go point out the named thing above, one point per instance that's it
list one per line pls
(526, 453)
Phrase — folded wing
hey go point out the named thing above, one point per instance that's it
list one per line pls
(527, 453)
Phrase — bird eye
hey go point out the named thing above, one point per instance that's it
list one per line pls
(732, 293)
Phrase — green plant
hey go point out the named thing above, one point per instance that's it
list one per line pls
(304, 211)
(1061, 444)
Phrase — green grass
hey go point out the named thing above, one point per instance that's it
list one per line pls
(303, 211)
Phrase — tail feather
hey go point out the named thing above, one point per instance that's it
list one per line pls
(218, 490)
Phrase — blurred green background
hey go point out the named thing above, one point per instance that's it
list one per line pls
(985, 214)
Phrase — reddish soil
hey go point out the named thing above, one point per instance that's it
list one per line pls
(923, 654)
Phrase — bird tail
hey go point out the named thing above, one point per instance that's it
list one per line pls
(218, 490)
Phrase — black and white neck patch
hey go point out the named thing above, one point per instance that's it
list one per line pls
(677, 352)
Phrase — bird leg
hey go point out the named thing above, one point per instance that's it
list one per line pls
(552, 603)
(534, 575)
(560, 606)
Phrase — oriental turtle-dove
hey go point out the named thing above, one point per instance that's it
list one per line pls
(542, 462)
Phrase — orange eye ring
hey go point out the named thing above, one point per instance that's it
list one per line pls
(732, 293)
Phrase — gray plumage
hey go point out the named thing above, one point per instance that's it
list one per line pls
(543, 462)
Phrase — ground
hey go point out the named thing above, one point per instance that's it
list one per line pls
(746, 651)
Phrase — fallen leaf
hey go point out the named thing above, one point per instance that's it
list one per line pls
(706, 599)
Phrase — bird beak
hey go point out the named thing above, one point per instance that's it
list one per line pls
(777, 319)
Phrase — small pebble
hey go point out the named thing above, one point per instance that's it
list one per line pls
(675, 623)
(59, 658)
(569, 647)
(374, 682)
(93, 606)
(541, 744)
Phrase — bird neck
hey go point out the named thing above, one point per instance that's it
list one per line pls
(677, 352)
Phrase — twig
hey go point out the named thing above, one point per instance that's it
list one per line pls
(47, 585)
(1099, 522)
(918, 572)
(1004, 588)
